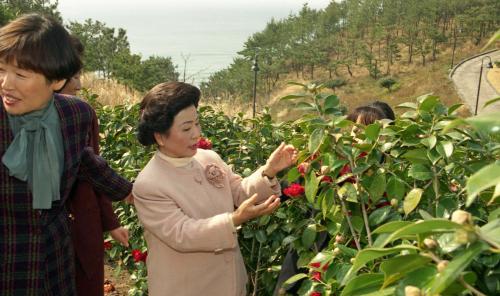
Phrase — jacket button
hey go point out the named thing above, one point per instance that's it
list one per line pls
(71, 217)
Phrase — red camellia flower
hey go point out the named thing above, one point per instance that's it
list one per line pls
(316, 276)
(139, 256)
(303, 168)
(315, 293)
(315, 264)
(294, 190)
(108, 245)
(325, 267)
(327, 179)
(204, 143)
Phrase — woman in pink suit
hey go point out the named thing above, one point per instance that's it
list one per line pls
(186, 200)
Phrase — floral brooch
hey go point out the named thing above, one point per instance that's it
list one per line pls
(215, 175)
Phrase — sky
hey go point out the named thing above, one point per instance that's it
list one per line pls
(206, 34)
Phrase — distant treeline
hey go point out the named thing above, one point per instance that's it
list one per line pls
(107, 50)
(373, 34)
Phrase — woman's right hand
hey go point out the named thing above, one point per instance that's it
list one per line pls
(249, 209)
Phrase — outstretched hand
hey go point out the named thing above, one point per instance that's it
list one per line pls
(281, 158)
(249, 209)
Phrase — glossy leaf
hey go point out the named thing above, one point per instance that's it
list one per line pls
(369, 254)
(427, 227)
(372, 131)
(412, 200)
(309, 236)
(312, 185)
(455, 267)
(420, 172)
(397, 267)
(363, 284)
(315, 140)
(486, 177)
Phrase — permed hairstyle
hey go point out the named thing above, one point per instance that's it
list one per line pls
(365, 115)
(160, 106)
(39, 44)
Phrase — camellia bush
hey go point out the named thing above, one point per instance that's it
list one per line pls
(401, 208)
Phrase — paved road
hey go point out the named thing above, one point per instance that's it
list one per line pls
(466, 80)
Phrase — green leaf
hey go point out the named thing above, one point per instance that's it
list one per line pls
(292, 175)
(420, 172)
(304, 106)
(378, 216)
(427, 102)
(293, 96)
(372, 131)
(407, 105)
(331, 101)
(391, 227)
(491, 231)
(455, 267)
(295, 278)
(429, 142)
(316, 139)
(486, 177)
(261, 236)
(348, 192)
(492, 101)
(309, 236)
(363, 284)
(395, 188)
(397, 267)
(454, 108)
(423, 227)
(377, 187)
(445, 148)
(489, 123)
(411, 200)
(417, 155)
(370, 254)
(312, 185)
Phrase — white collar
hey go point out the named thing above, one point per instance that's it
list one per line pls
(175, 161)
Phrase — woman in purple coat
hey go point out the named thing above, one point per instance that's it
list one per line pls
(43, 149)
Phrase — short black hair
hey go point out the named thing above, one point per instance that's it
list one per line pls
(366, 115)
(385, 108)
(159, 107)
(40, 44)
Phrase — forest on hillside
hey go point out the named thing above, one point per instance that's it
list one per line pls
(369, 34)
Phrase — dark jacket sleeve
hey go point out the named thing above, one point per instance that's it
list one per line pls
(109, 219)
(104, 179)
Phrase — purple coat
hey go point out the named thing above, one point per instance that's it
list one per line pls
(36, 253)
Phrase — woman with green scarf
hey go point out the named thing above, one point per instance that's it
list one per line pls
(43, 149)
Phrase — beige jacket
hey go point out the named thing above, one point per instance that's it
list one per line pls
(192, 244)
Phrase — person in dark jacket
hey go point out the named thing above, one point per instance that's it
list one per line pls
(91, 213)
(43, 146)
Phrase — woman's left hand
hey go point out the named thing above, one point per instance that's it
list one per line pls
(283, 157)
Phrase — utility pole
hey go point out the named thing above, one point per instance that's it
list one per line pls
(255, 69)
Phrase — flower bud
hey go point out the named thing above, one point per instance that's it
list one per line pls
(412, 291)
(430, 243)
(461, 217)
(442, 265)
(353, 260)
(339, 238)
(336, 251)
(463, 236)
(394, 203)
(324, 170)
